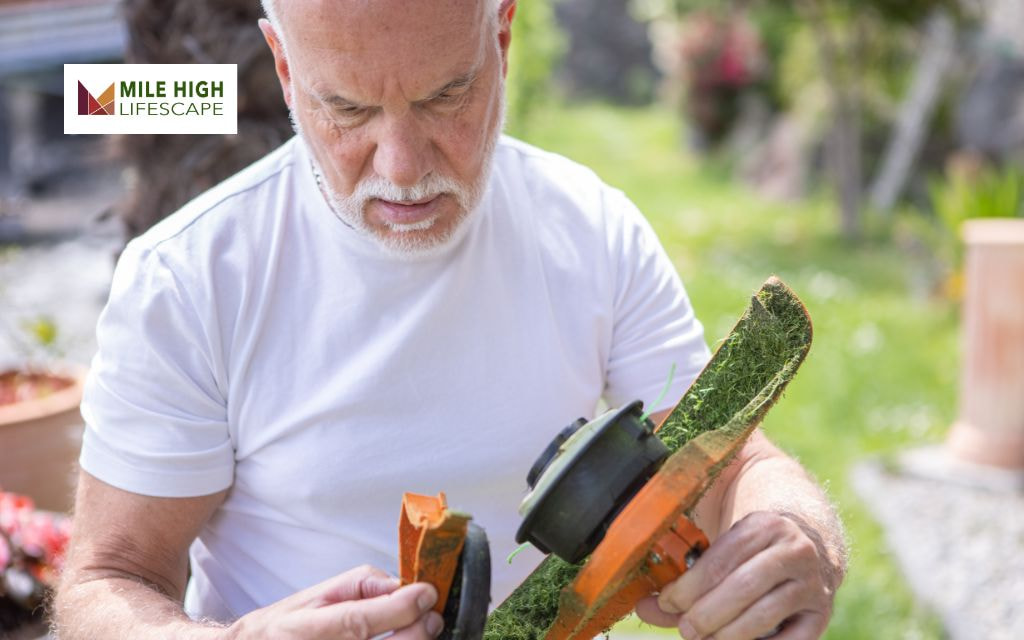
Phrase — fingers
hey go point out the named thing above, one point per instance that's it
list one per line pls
(742, 542)
(359, 584)
(357, 605)
(806, 626)
(764, 616)
(745, 587)
(763, 571)
(362, 582)
(429, 626)
(649, 611)
(405, 608)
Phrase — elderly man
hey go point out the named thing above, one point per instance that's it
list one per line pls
(398, 299)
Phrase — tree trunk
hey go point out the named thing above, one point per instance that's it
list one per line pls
(845, 160)
(843, 141)
(169, 170)
(937, 52)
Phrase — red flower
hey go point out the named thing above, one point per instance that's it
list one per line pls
(720, 50)
(33, 540)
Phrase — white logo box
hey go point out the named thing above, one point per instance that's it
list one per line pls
(154, 98)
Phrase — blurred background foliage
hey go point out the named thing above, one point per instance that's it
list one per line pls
(734, 160)
(806, 99)
(529, 84)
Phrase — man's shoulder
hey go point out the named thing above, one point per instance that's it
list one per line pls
(561, 192)
(538, 165)
(221, 205)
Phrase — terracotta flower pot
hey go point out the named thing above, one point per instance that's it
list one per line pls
(40, 439)
(990, 427)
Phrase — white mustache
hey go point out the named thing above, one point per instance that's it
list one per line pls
(433, 185)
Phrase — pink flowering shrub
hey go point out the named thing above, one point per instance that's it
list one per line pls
(720, 56)
(32, 546)
(720, 50)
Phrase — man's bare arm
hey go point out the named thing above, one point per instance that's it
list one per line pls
(126, 573)
(128, 563)
(763, 478)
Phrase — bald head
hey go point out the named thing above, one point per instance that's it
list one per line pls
(491, 12)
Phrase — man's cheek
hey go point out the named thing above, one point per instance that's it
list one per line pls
(465, 151)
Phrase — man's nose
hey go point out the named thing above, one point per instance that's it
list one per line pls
(403, 151)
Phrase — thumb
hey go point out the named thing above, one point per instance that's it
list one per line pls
(648, 610)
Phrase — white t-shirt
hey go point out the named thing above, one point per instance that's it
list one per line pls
(254, 341)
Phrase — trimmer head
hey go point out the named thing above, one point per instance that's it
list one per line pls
(584, 478)
(607, 489)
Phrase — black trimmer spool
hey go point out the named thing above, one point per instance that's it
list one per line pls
(585, 477)
(465, 613)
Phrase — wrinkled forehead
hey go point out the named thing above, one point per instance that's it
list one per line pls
(338, 39)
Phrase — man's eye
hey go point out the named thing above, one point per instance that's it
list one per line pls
(450, 96)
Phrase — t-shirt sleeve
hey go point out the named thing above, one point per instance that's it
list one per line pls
(154, 408)
(654, 323)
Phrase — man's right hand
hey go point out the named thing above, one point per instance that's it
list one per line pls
(127, 568)
(356, 605)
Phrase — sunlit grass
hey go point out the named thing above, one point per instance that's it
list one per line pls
(881, 375)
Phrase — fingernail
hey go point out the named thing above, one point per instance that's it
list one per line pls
(435, 623)
(427, 599)
(687, 631)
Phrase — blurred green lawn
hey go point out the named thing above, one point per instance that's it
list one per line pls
(881, 375)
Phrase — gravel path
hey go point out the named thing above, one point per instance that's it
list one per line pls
(961, 548)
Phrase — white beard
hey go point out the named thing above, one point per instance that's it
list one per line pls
(410, 241)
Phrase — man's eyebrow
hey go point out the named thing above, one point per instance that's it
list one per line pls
(460, 82)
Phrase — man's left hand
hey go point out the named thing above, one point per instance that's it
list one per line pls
(764, 577)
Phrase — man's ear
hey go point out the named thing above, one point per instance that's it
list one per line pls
(506, 12)
(280, 59)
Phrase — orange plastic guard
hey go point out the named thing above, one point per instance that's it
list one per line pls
(430, 539)
(644, 549)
